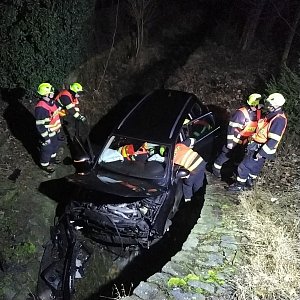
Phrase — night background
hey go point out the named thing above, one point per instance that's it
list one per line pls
(219, 50)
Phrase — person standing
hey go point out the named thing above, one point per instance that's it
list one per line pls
(264, 143)
(186, 157)
(241, 127)
(68, 101)
(48, 125)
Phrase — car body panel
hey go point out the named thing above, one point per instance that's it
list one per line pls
(158, 116)
(120, 185)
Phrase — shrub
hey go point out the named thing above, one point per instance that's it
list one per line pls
(288, 84)
(42, 40)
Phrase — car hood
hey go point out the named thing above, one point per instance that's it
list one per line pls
(116, 184)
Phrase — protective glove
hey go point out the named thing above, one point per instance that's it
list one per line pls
(82, 118)
(46, 142)
(229, 146)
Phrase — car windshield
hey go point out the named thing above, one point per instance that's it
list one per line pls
(133, 157)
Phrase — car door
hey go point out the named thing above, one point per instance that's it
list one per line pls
(200, 125)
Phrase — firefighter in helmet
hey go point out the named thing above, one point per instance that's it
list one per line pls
(241, 127)
(68, 101)
(264, 143)
(48, 125)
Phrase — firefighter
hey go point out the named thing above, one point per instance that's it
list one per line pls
(264, 143)
(186, 157)
(48, 125)
(241, 127)
(68, 101)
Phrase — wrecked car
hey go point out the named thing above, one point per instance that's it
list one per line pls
(130, 190)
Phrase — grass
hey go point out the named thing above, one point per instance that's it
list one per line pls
(271, 264)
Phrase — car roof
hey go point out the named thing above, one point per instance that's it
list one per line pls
(158, 117)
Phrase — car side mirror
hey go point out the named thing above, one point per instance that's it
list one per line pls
(182, 172)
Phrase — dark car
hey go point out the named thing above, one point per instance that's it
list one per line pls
(130, 190)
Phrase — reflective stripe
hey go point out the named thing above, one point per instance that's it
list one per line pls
(252, 176)
(236, 125)
(53, 155)
(41, 122)
(51, 134)
(196, 164)
(217, 166)
(76, 115)
(44, 164)
(230, 137)
(69, 106)
(188, 158)
(269, 150)
(274, 136)
(44, 134)
(236, 140)
(241, 179)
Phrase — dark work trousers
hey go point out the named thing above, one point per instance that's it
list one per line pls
(194, 182)
(74, 127)
(250, 166)
(236, 154)
(49, 151)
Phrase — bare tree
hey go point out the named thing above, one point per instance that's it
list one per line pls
(251, 24)
(142, 12)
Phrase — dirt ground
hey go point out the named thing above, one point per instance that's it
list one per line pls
(216, 74)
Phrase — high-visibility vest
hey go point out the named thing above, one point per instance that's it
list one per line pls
(186, 157)
(262, 132)
(246, 130)
(53, 124)
(74, 101)
(250, 125)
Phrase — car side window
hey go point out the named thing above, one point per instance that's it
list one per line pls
(199, 128)
(197, 124)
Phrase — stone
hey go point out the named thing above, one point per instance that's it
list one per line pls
(178, 294)
(149, 291)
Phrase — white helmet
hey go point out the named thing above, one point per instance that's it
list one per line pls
(276, 100)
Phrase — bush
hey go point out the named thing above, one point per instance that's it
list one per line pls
(288, 84)
(42, 40)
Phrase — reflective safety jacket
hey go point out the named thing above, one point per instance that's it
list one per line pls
(269, 133)
(67, 101)
(186, 157)
(47, 118)
(242, 125)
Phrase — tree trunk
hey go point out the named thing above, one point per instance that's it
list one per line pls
(251, 25)
(290, 38)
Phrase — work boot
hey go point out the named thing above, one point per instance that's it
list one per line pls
(250, 183)
(216, 172)
(236, 187)
(55, 161)
(48, 169)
